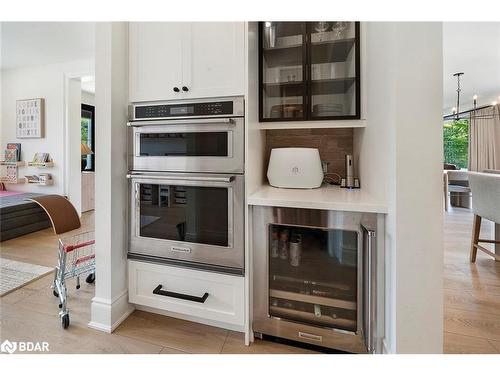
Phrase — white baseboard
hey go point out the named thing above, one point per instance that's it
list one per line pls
(107, 314)
(385, 347)
(218, 324)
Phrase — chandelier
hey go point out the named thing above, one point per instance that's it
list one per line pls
(474, 111)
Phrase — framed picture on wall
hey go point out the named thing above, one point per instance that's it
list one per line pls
(30, 118)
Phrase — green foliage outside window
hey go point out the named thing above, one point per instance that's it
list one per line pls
(85, 130)
(456, 142)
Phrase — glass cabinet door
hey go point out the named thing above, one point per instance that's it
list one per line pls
(334, 70)
(283, 88)
(313, 276)
(309, 71)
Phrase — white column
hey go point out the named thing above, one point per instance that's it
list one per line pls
(400, 161)
(110, 305)
(418, 208)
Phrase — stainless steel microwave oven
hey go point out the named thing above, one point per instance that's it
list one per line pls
(206, 136)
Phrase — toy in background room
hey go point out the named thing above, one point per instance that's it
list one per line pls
(30, 118)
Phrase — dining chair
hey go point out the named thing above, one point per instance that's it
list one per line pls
(485, 205)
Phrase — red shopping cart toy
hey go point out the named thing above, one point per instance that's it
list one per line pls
(76, 254)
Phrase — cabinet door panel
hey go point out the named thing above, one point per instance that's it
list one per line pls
(214, 59)
(155, 60)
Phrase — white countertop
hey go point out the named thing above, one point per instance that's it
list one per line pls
(326, 197)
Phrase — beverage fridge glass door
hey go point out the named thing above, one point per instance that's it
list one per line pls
(313, 276)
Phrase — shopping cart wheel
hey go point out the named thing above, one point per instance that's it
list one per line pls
(65, 320)
(90, 278)
(54, 292)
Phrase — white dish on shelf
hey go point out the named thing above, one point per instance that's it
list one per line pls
(289, 41)
(283, 74)
(328, 70)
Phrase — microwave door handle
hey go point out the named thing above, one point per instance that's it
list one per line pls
(227, 121)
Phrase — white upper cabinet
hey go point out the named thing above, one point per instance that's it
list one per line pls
(155, 60)
(180, 60)
(214, 60)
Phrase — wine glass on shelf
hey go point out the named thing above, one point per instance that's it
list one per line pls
(321, 27)
(340, 29)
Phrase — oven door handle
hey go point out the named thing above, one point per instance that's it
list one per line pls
(174, 177)
(227, 121)
(186, 297)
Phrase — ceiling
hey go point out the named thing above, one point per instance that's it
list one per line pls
(39, 43)
(472, 48)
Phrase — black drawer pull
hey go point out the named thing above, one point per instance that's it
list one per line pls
(180, 295)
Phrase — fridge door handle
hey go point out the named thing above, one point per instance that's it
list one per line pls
(370, 302)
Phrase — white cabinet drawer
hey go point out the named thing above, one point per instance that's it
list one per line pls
(224, 303)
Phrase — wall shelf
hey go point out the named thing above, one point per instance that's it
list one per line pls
(8, 181)
(45, 183)
(48, 164)
(13, 163)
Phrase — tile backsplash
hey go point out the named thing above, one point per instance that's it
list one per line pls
(333, 144)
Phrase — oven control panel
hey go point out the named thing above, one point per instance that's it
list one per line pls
(204, 109)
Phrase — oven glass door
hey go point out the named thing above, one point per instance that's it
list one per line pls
(185, 144)
(193, 214)
(198, 145)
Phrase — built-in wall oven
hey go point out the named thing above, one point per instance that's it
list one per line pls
(187, 183)
(314, 277)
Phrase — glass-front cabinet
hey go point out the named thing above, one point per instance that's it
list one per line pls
(309, 71)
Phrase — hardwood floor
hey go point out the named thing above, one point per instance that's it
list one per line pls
(471, 307)
(471, 291)
(31, 314)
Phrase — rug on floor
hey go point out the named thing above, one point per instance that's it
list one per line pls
(14, 274)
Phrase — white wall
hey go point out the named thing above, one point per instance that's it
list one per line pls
(400, 161)
(47, 82)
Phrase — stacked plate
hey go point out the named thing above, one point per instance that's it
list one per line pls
(333, 109)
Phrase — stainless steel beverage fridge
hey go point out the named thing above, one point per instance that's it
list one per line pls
(314, 277)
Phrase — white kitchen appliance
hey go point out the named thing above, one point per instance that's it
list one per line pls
(295, 168)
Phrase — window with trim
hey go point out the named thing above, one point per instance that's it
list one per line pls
(456, 142)
(88, 137)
